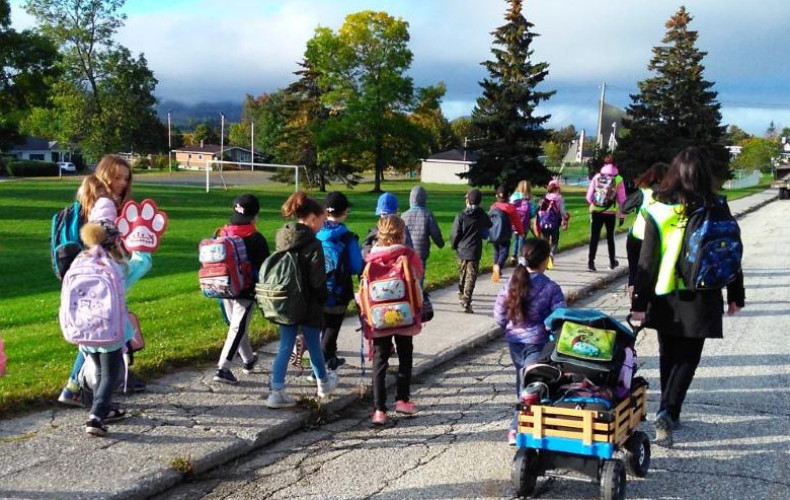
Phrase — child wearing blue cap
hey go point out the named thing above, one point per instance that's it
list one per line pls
(386, 205)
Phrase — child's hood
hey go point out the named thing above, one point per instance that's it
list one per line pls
(383, 254)
(332, 231)
(609, 169)
(293, 236)
(418, 197)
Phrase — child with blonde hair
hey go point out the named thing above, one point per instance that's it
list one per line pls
(388, 252)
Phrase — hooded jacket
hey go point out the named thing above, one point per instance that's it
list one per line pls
(544, 297)
(300, 238)
(333, 232)
(619, 198)
(469, 229)
(257, 250)
(422, 224)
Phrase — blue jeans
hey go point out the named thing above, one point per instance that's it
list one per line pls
(312, 339)
(518, 242)
(522, 355)
(78, 362)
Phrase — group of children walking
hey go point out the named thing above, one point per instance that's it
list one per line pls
(325, 256)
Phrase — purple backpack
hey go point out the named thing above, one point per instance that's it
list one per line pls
(93, 301)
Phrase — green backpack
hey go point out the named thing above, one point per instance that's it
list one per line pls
(279, 290)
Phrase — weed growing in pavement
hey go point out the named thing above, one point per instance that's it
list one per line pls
(182, 464)
(316, 411)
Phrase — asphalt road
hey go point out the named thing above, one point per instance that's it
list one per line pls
(733, 444)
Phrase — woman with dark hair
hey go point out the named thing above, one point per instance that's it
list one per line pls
(682, 317)
(523, 305)
(639, 200)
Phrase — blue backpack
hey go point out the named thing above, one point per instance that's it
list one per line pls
(65, 242)
(338, 277)
(501, 229)
(710, 257)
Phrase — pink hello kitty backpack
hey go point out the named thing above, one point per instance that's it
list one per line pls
(93, 301)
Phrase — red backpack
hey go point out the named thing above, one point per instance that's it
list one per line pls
(225, 270)
(390, 298)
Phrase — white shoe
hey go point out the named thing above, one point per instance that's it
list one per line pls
(280, 399)
(326, 388)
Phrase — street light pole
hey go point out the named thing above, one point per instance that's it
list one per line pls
(252, 146)
(169, 145)
(221, 139)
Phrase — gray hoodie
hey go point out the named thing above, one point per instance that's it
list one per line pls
(422, 224)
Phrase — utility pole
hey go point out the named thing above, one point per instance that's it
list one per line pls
(600, 116)
(221, 139)
(169, 145)
(252, 146)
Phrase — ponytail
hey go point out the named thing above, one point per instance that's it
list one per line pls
(517, 303)
(301, 206)
(535, 251)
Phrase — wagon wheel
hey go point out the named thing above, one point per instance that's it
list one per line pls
(637, 454)
(613, 480)
(523, 474)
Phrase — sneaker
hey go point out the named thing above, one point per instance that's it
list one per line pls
(249, 366)
(511, 438)
(114, 415)
(71, 397)
(280, 399)
(406, 407)
(95, 427)
(495, 276)
(379, 417)
(326, 388)
(468, 310)
(512, 260)
(334, 363)
(663, 426)
(591, 267)
(461, 298)
(225, 376)
(613, 264)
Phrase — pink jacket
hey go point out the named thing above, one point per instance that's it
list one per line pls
(616, 208)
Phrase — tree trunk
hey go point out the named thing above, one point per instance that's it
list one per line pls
(379, 166)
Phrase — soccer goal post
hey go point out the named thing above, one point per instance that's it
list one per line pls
(253, 165)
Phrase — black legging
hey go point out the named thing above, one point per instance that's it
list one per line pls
(332, 324)
(632, 248)
(597, 221)
(382, 349)
(678, 361)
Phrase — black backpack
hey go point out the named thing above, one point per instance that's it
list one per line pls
(501, 230)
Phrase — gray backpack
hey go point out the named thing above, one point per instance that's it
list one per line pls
(279, 291)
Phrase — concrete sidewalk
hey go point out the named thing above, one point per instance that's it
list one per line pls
(185, 421)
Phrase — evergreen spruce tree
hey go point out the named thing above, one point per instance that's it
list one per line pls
(510, 134)
(675, 108)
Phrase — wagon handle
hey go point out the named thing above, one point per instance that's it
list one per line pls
(635, 328)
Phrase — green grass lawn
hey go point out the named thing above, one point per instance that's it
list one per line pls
(181, 327)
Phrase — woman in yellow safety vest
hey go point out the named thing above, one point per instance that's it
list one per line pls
(639, 200)
(683, 318)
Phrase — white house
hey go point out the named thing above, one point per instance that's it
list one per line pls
(36, 148)
(443, 168)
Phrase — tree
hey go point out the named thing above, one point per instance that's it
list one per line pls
(736, 135)
(756, 153)
(205, 134)
(428, 115)
(26, 69)
(511, 135)
(674, 108)
(267, 112)
(240, 134)
(463, 130)
(105, 98)
(362, 69)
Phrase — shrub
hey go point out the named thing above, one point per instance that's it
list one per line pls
(141, 163)
(31, 168)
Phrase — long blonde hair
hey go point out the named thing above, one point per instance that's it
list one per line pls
(525, 189)
(392, 231)
(107, 170)
(90, 190)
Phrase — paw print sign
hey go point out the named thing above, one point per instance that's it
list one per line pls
(141, 226)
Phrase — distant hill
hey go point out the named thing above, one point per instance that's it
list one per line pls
(186, 116)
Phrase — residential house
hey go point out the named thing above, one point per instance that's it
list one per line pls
(197, 156)
(37, 148)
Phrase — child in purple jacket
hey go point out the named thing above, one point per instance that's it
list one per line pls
(522, 306)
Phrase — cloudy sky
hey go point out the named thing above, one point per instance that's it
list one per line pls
(216, 50)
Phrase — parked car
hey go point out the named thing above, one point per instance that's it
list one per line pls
(67, 167)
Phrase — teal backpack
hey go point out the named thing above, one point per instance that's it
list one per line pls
(279, 292)
(64, 241)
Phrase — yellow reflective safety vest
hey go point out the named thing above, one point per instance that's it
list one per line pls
(671, 225)
(638, 229)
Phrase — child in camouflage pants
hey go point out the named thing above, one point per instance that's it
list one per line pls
(470, 228)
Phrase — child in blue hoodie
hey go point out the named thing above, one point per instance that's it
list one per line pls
(343, 259)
